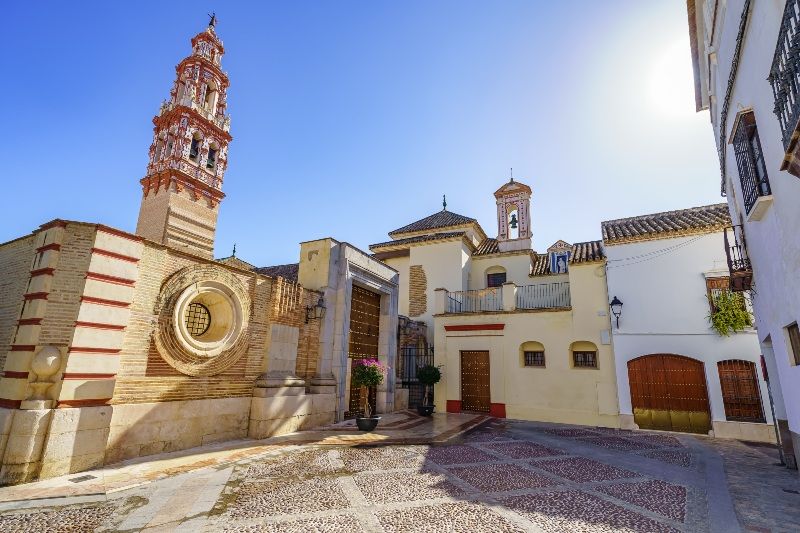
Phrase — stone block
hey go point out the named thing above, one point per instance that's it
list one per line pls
(151, 448)
(13, 474)
(183, 443)
(31, 422)
(322, 403)
(22, 449)
(317, 420)
(220, 437)
(60, 467)
(279, 407)
(81, 418)
(66, 445)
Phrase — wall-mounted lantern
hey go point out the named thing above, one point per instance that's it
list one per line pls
(315, 312)
(616, 309)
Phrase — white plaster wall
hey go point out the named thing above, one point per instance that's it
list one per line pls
(772, 242)
(445, 266)
(518, 267)
(401, 264)
(663, 289)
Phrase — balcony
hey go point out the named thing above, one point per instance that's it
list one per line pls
(508, 298)
(784, 77)
(738, 262)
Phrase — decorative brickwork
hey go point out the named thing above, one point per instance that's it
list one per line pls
(417, 291)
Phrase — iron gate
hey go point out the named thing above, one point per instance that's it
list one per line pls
(411, 358)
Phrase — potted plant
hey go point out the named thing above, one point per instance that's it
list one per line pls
(367, 373)
(729, 313)
(429, 376)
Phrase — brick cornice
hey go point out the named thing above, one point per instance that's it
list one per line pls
(99, 325)
(103, 301)
(119, 233)
(115, 255)
(110, 279)
(52, 246)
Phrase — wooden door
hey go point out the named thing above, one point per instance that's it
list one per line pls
(365, 314)
(669, 392)
(475, 381)
(740, 392)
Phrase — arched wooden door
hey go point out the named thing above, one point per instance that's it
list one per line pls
(669, 392)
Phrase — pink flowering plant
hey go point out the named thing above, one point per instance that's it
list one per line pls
(368, 373)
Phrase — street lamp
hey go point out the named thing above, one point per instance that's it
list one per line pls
(616, 309)
(315, 311)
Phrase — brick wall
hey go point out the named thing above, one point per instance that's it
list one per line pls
(144, 376)
(15, 264)
(417, 291)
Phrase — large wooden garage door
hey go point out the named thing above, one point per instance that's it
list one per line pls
(740, 392)
(365, 315)
(475, 381)
(669, 392)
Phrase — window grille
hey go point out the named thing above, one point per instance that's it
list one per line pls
(750, 161)
(495, 280)
(534, 358)
(198, 319)
(584, 359)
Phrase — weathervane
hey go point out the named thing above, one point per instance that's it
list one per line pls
(234, 249)
(512, 175)
(212, 22)
(444, 203)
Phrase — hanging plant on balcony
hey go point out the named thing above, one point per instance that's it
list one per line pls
(729, 313)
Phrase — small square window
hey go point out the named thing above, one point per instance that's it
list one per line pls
(793, 331)
(495, 280)
(534, 358)
(584, 359)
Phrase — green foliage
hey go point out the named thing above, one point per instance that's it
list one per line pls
(368, 372)
(429, 374)
(729, 313)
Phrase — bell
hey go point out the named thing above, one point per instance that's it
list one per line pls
(513, 224)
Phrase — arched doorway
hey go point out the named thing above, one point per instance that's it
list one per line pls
(668, 392)
(740, 392)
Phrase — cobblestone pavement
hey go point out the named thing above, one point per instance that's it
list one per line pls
(506, 476)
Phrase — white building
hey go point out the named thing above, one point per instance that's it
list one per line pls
(744, 57)
(674, 372)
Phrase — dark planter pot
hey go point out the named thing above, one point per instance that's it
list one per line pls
(368, 424)
(425, 410)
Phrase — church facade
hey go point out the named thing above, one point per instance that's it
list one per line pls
(117, 345)
(517, 334)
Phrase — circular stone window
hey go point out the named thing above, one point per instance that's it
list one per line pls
(208, 316)
(203, 321)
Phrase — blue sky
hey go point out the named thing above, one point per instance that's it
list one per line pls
(351, 119)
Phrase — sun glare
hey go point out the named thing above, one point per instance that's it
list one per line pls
(671, 84)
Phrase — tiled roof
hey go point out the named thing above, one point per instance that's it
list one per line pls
(488, 246)
(235, 261)
(582, 252)
(284, 271)
(442, 219)
(419, 238)
(669, 223)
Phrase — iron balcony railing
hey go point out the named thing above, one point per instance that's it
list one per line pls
(476, 301)
(543, 296)
(736, 250)
(784, 76)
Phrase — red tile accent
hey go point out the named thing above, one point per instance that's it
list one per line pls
(42, 272)
(107, 351)
(10, 404)
(87, 375)
(453, 406)
(110, 279)
(103, 301)
(98, 325)
(474, 327)
(115, 255)
(119, 233)
(497, 410)
(22, 348)
(13, 374)
(54, 224)
(29, 321)
(52, 246)
(83, 403)
(36, 296)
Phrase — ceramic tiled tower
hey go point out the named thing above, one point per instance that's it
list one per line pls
(188, 156)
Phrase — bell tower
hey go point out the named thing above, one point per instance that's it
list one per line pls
(182, 189)
(513, 216)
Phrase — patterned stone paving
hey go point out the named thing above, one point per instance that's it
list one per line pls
(658, 496)
(581, 470)
(505, 476)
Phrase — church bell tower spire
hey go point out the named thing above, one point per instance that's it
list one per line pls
(182, 188)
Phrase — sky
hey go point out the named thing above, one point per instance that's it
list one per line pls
(353, 118)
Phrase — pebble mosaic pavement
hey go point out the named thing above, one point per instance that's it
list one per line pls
(506, 476)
